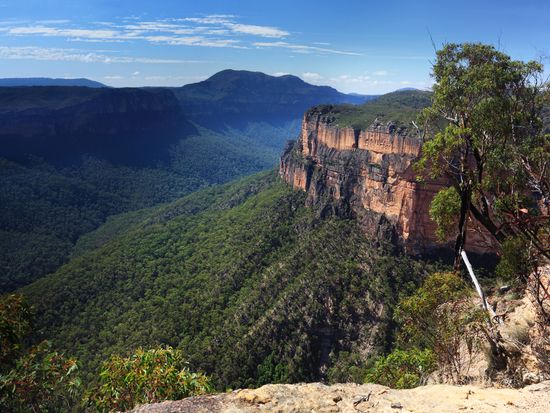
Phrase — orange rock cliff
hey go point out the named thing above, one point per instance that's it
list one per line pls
(368, 174)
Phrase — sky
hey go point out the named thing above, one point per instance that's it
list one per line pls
(359, 46)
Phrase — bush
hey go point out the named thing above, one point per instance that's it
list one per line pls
(444, 210)
(403, 369)
(514, 264)
(33, 379)
(42, 380)
(441, 317)
(148, 376)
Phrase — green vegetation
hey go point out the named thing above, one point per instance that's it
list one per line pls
(32, 378)
(252, 286)
(38, 379)
(403, 369)
(44, 210)
(444, 211)
(437, 328)
(147, 376)
(488, 140)
(400, 107)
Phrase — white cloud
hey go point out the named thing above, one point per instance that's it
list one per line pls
(217, 30)
(136, 73)
(277, 74)
(311, 77)
(380, 73)
(75, 55)
(113, 77)
(52, 31)
(300, 48)
(211, 19)
(405, 82)
(193, 41)
(262, 31)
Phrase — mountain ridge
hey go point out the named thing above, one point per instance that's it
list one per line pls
(48, 81)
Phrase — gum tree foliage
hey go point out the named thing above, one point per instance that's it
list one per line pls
(440, 317)
(403, 369)
(485, 134)
(33, 379)
(147, 376)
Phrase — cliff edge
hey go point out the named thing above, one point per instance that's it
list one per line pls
(353, 398)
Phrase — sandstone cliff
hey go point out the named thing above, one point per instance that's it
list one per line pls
(368, 174)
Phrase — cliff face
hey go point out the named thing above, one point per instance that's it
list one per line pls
(62, 123)
(368, 174)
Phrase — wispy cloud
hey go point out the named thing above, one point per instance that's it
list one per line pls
(262, 31)
(58, 32)
(75, 55)
(300, 48)
(380, 73)
(216, 30)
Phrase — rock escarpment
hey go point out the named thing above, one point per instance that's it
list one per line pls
(61, 123)
(369, 174)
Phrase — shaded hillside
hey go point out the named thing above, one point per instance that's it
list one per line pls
(138, 147)
(45, 209)
(48, 81)
(252, 285)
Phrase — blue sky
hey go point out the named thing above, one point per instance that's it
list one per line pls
(352, 45)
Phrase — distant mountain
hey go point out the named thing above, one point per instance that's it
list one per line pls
(405, 89)
(47, 81)
(236, 97)
(60, 124)
(401, 107)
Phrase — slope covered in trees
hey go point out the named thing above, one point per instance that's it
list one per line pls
(250, 284)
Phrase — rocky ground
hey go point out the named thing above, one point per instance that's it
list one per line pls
(316, 397)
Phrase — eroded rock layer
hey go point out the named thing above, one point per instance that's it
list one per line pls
(368, 174)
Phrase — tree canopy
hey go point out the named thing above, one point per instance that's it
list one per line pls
(485, 135)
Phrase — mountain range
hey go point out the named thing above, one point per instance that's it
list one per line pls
(47, 81)
(71, 156)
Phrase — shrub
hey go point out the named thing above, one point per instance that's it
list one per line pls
(148, 376)
(403, 369)
(33, 379)
(441, 317)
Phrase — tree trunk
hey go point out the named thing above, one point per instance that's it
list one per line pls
(465, 196)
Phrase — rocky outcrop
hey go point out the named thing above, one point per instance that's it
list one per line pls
(354, 398)
(369, 174)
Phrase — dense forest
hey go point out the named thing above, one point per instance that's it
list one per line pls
(46, 208)
(250, 284)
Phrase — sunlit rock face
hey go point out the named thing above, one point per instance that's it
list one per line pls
(369, 174)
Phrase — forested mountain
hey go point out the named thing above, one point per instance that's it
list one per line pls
(253, 286)
(237, 97)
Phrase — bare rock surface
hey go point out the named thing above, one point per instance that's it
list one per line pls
(317, 397)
